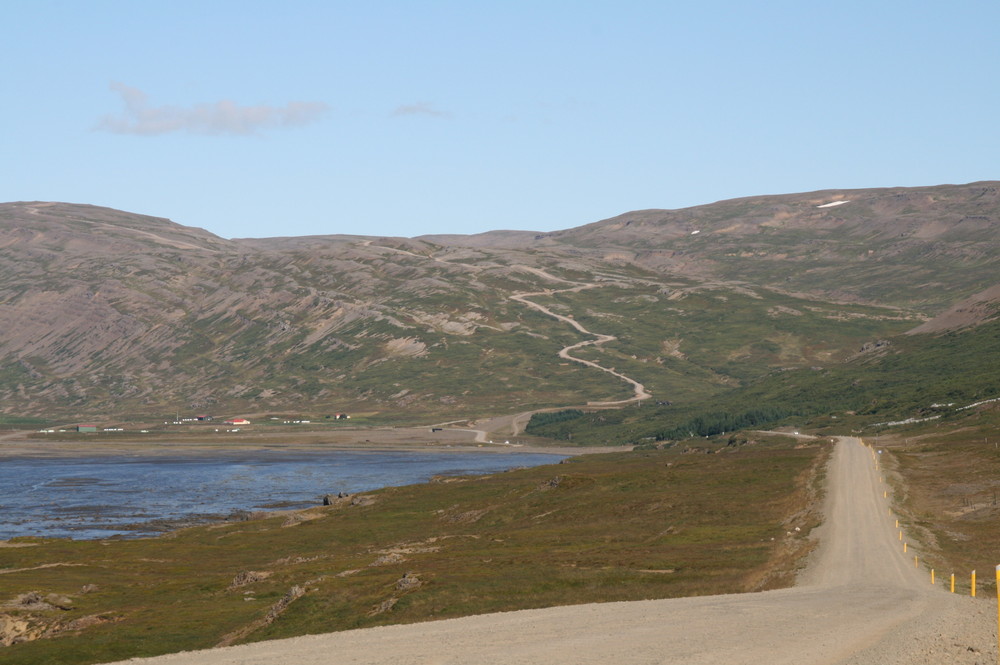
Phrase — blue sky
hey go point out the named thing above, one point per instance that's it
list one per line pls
(256, 119)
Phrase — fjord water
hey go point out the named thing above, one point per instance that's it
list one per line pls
(134, 495)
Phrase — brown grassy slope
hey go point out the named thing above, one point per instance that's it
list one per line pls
(105, 312)
(915, 246)
(972, 311)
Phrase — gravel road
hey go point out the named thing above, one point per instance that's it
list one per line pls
(861, 601)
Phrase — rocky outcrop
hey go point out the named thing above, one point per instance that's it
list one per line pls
(245, 577)
(273, 613)
(16, 629)
(408, 582)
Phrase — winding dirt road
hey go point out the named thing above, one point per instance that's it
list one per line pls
(512, 425)
(599, 338)
(860, 602)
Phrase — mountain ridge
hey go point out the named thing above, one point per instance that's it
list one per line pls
(107, 311)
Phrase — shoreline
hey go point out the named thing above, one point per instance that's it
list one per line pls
(168, 448)
(409, 439)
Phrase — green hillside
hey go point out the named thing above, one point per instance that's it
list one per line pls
(900, 378)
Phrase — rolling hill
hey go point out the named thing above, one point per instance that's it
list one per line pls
(108, 314)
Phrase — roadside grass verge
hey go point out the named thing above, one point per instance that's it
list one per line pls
(948, 498)
(597, 528)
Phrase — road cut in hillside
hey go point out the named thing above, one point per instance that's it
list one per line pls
(860, 602)
(638, 389)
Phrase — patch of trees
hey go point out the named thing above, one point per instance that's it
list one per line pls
(555, 425)
(711, 424)
(539, 420)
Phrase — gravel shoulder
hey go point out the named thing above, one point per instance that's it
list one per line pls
(861, 601)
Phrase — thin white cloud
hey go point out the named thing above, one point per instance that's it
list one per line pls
(420, 108)
(216, 118)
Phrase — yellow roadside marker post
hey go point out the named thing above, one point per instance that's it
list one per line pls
(973, 584)
(916, 562)
(932, 576)
(953, 582)
(904, 548)
(998, 614)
